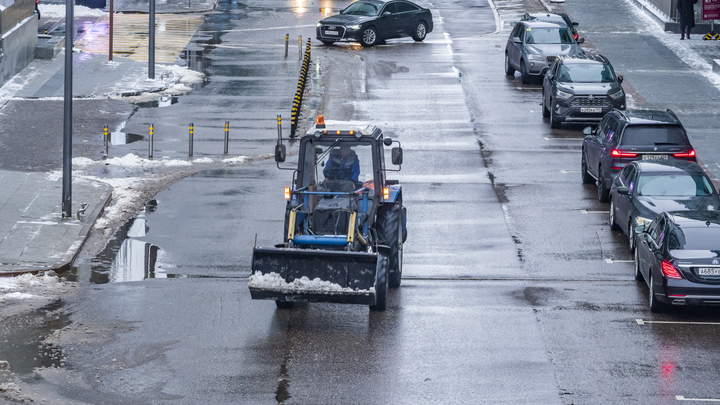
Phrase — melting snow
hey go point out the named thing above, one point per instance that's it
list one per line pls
(58, 10)
(275, 281)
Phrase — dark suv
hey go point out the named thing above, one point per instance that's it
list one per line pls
(581, 88)
(624, 136)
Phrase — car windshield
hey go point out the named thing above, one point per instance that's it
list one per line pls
(694, 239)
(654, 135)
(548, 36)
(361, 8)
(673, 184)
(586, 73)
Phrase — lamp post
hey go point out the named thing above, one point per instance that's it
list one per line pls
(151, 51)
(67, 118)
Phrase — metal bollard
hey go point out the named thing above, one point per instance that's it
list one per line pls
(150, 145)
(279, 127)
(227, 136)
(287, 42)
(106, 141)
(190, 147)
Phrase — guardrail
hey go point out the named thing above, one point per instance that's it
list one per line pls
(297, 101)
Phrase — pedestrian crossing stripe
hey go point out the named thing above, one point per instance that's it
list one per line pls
(131, 36)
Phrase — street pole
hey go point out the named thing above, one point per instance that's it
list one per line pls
(67, 117)
(151, 53)
(110, 53)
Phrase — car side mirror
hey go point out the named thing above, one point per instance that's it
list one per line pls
(575, 24)
(623, 190)
(581, 40)
(640, 229)
(517, 40)
(588, 131)
(280, 153)
(512, 23)
(387, 13)
(397, 156)
(620, 79)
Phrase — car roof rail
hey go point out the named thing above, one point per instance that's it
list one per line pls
(673, 114)
(621, 113)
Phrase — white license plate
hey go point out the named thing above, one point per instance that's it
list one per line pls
(708, 271)
(328, 32)
(655, 157)
(590, 110)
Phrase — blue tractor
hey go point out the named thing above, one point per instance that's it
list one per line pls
(345, 224)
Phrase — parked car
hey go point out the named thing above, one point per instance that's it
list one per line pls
(371, 22)
(534, 45)
(678, 256)
(553, 17)
(581, 88)
(644, 189)
(625, 136)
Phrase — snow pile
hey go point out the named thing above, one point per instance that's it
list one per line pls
(16, 288)
(273, 281)
(58, 10)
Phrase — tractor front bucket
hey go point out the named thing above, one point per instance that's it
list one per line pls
(296, 275)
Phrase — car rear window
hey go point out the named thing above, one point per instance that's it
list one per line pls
(673, 184)
(694, 239)
(548, 36)
(654, 135)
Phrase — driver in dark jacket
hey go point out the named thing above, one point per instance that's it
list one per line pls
(343, 165)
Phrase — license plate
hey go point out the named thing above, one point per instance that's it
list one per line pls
(708, 271)
(328, 32)
(655, 157)
(590, 110)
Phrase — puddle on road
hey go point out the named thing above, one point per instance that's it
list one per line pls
(22, 336)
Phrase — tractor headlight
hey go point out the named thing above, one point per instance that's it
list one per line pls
(563, 95)
(617, 95)
(535, 57)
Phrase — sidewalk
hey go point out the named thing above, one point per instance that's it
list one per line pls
(34, 234)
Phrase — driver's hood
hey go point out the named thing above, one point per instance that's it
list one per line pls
(553, 49)
(345, 19)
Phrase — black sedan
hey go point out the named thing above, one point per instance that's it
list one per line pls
(371, 22)
(643, 189)
(679, 258)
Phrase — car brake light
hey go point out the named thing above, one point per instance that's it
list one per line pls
(622, 153)
(685, 154)
(669, 270)
(575, 36)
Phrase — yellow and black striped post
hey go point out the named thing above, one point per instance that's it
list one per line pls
(106, 141)
(190, 146)
(150, 144)
(279, 120)
(287, 42)
(227, 137)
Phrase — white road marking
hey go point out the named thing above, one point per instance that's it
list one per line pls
(611, 261)
(569, 171)
(642, 322)
(594, 212)
(682, 398)
(547, 138)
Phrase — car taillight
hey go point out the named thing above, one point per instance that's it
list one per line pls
(622, 153)
(575, 36)
(669, 270)
(685, 154)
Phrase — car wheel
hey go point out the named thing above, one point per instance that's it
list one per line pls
(546, 112)
(327, 42)
(638, 273)
(655, 305)
(586, 177)
(509, 70)
(554, 122)
(602, 191)
(524, 74)
(420, 31)
(369, 37)
(613, 225)
(631, 236)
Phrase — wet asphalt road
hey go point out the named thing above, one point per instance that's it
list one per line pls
(515, 290)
